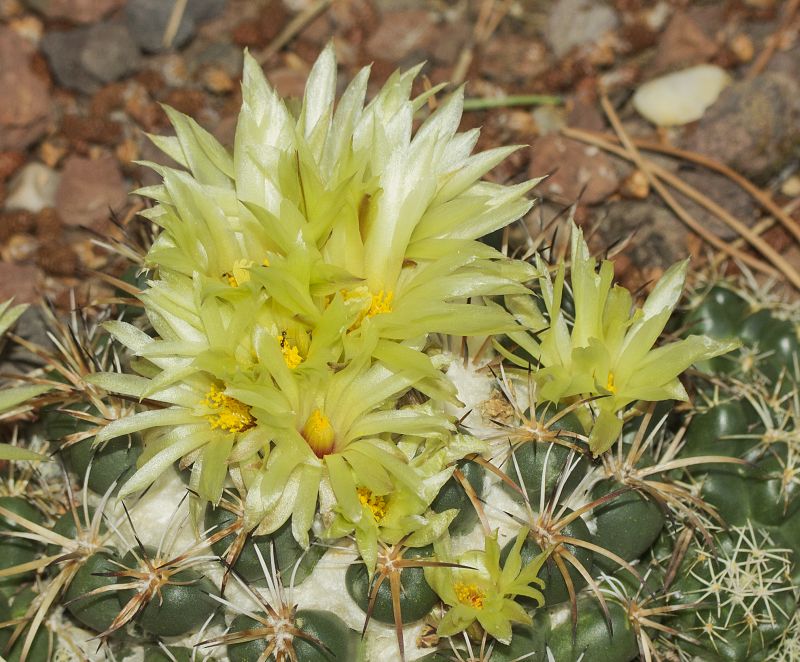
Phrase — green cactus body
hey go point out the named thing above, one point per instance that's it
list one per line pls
(286, 549)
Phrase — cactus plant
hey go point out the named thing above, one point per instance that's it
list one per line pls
(331, 424)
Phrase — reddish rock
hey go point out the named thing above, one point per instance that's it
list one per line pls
(512, 59)
(577, 170)
(25, 109)
(92, 129)
(683, 44)
(401, 33)
(259, 32)
(48, 224)
(190, 102)
(19, 281)
(10, 162)
(15, 222)
(57, 259)
(89, 191)
(77, 11)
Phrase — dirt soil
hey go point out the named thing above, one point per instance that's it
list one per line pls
(83, 82)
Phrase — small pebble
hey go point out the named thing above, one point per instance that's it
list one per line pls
(33, 188)
(742, 47)
(791, 187)
(680, 97)
(635, 186)
(19, 248)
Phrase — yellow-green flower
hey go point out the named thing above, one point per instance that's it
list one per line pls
(296, 283)
(608, 350)
(484, 591)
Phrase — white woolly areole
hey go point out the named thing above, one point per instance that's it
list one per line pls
(474, 385)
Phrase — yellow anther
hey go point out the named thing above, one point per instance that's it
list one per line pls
(375, 503)
(290, 353)
(610, 383)
(227, 413)
(469, 594)
(239, 273)
(319, 434)
(381, 303)
(373, 304)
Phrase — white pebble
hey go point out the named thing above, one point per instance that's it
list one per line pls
(680, 97)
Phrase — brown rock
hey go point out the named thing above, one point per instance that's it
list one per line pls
(57, 259)
(92, 129)
(19, 281)
(25, 109)
(108, 99)
(48, 224)
(15, 222)
(190, 102)
(77, 11)
(402, 33)
(10, 162)
(89, 191)
(259, 32)
(513, 58)
(683, 44)
(577, 170)
(754, 126)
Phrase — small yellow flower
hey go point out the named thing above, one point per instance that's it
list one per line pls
(469, 594)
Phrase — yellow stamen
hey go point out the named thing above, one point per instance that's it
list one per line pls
(373, 304)
(376, 503)
(290, 353)
(610, 383)
(319, 434)
(469, 594)
(381, 303)
(227, 413)
(239, 273)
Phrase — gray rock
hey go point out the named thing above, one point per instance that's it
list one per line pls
(574, 23)
(659, 239)
(76, 11)
(754, 127)
(110, 53)
(63, 49)
(221, 54)
(148, 20)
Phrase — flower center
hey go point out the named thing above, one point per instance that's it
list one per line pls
(380, 303)
(372, 304)
(319, 434)
(227, 413)
(376, 504)
(610, 383)
(290, 353)
(469, 594)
